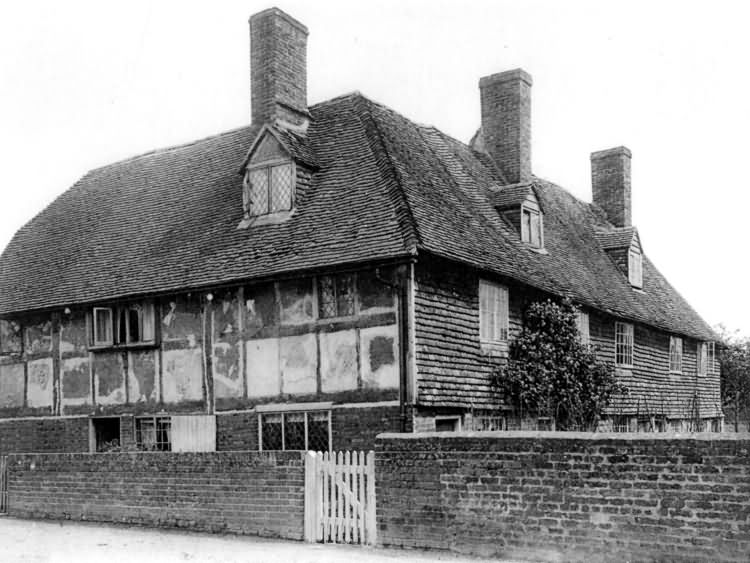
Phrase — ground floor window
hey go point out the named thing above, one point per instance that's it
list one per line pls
(309, 430)
(153, 433)
(486, 423)
(106, 434)
(447, 423)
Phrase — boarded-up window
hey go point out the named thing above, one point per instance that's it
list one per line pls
(624, 344)
(493, 312)
(295, 430)
(11, 340)
(675, 354)
(193, 433)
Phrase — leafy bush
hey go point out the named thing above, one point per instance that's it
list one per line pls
(550, 373)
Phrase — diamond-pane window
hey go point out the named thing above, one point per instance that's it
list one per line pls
(337, 295)
(271, 432)
(269, 189)
(281, 188)
(294, 431)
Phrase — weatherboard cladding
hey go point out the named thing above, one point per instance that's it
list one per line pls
(383, 187)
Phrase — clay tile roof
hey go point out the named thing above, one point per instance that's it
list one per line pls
(510, 196)
(621, 237)
(383, 188)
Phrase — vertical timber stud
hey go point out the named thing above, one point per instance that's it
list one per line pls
(56, 379)
(208, 351)
(312, 497)
(242, 344)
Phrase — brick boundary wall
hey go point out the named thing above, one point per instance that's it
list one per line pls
(257, 493)
(567, 496)
(68, 434)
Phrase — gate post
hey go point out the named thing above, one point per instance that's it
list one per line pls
(312, 497)
(372, 526)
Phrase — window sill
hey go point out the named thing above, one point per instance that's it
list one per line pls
(120, 347)
(537, 249)
(269, 219)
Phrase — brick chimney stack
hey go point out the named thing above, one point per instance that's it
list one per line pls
(610, 181)
(506, 122)
(278, 68)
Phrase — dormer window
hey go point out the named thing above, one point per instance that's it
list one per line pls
(531, 225)
(268, 188)
(635, 268)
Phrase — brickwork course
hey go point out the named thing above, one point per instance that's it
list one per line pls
(571, 497)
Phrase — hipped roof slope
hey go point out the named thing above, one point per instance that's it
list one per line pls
(383, 188)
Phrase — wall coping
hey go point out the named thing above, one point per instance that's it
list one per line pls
(588, 436)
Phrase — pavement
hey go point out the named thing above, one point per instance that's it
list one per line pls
(45, 541)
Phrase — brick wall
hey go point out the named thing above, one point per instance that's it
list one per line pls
(254, 493)
(44, 435)
(572, 496)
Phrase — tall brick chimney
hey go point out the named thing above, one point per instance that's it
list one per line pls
(278, 67)
(610, 181)
(506, 122)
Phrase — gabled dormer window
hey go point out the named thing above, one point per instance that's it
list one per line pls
(635, 267)
(531, 225)
(268, 188)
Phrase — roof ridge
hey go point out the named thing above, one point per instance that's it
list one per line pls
(167, 149)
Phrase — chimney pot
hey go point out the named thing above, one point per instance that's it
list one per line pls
(506, 122)
(278, 68)
(611, 185)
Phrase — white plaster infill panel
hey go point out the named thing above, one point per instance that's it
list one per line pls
(380, 366)
(182, 375)
(11, 385)
(40, 383)
(263, 376)
(75, 369)
(227, 384)
(338, 361)
(298, 360)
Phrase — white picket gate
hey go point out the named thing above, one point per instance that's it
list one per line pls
(340, 497)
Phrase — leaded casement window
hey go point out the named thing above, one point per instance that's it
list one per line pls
(268, 189)
(705, 353)
(624, 342)
(675, 354)
(582, 323)
(336, 296)
(635, 268)
(303, 430)
(129, 324)
(493, 312)
(153, 433)
(531, 226)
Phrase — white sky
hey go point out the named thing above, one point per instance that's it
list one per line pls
(86, 83)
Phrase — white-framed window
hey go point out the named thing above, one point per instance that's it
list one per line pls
(103, 334)
(132, 323)
(268, 188)
(493, 312)
(624, 344)
(675, 354)
(635, 268)
(582, 323)
(299, 430)
(531, 227)
(706, 357)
